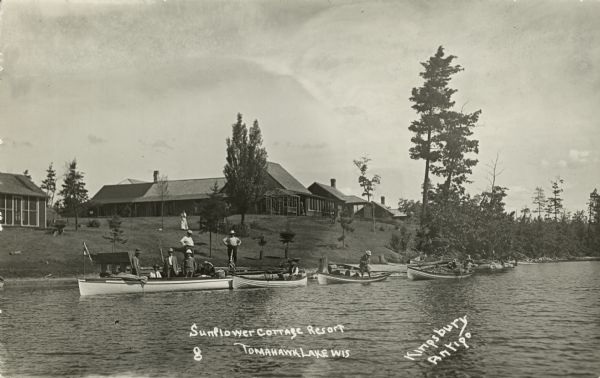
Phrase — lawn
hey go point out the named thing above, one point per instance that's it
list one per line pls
(37, 253)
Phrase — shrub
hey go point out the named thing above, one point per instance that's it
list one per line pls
(93, 223)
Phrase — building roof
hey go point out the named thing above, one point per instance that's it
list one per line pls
(184, 189)
(393, 212)
(150, 191)
(123, 193)
(20, 185)
(332, 191)
(352, 199)
(285, 179)
(131, 181)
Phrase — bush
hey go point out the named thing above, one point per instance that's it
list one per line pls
(59, 225)
(93, 223)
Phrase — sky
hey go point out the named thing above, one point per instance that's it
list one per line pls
(129, 87)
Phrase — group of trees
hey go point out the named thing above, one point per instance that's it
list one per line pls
(452, 221)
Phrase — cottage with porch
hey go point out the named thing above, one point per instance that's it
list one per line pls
(22, 203)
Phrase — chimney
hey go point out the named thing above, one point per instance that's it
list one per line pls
(333, 183)
(155, 176)
(383, 200)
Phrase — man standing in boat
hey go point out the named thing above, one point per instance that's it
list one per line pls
(232, 242)
(171, 267)
(135, 263)
(364, 264)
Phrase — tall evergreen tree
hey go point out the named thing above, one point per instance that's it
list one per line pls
(431, 101)
(246, 166)
(116, 234)
(453, 145)
(49, 183)
(554, 203)
(73, 191)
(539, 201)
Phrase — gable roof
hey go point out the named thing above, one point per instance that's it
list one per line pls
(150, 191)
(285, 179)
(352, 199)
(332, 191)
(124, 193)
(131, 181)
(393, 212)
(19, 184)
(184, 189)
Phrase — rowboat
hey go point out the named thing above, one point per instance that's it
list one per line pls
(329, 279)
(420, 274)
(139, 285)
(268, 280)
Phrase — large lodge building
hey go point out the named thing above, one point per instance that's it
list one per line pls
(285, 195)
(24, 204)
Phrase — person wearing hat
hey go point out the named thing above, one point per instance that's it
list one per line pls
(364, 264)
(232, 242)
(135, 263)
(189, 264)
(187, 242)
(171, 267)
(155, 273)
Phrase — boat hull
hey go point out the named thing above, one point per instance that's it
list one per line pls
(100, 286)
(331, 279)
(417, 274)
(242, 282)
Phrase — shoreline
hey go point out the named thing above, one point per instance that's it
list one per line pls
(73, 279)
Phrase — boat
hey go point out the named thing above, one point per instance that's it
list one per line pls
(271, 280)
(396, 270)
(111, 282)
(130, 284)
(329, 279)
(414, 273)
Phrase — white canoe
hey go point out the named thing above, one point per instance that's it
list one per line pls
(418, 274)
(329, 279)
(267, 280)
(116, 285)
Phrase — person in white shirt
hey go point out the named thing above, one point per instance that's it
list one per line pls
(184, 223)
(187, 242)
(1, 220)
(155, 273)
(232, 242)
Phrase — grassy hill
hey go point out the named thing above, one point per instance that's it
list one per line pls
(41, 253)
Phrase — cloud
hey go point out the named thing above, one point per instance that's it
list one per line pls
(16, 143)
(161, 144)
(1, 142)
(579, 156)
(93, 139)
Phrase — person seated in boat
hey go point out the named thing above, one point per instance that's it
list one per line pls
(155, 272)
(452, 264)
(187, 242)
(207, 269)
(189, 264)
(293, 269)
(364, 264)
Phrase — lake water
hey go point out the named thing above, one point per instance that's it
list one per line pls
(536, 320)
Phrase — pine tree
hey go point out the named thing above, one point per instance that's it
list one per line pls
(73, 191)
(116, 233)
(431, 101)
(246, 166)
(539, 201)
(554, 203)
(212, 211)
(49, 183)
